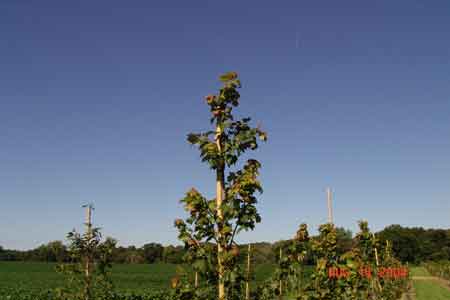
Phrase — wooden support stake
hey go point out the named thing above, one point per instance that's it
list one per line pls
(196, 279)
(376, 252)
(247, 284)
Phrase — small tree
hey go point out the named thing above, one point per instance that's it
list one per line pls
(219, 220)
(88, 251)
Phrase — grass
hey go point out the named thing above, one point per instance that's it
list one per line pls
(418, 271)
(138, 278)
(429, 290)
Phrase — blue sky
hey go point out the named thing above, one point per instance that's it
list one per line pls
(97, 98)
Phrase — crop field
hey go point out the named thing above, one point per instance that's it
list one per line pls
(127, 278)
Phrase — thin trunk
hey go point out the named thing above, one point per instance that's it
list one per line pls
(247, 284)
(281, 282)
(87, 291)
(88, 255)
(220, 182)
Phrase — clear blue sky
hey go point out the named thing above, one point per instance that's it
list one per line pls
(97, 98)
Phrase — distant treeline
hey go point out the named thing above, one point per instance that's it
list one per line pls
(412, 245)
(417, 244)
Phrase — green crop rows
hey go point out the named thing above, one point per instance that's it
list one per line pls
(28, 280)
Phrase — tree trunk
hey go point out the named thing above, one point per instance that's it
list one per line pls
(88, 255)
(220, 182)
(281, 282)
(247, 284)
(87, 290)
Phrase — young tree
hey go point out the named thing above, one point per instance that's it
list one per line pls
(89, 250)
(233, 209)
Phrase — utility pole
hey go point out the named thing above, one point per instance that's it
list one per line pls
(330, 206)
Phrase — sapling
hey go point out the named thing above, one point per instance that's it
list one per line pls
(233, 209)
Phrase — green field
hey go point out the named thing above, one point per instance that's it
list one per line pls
(429, 290)
(137, 278)
(418, 271)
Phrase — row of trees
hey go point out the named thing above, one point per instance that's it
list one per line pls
(413, 245)
(57, 251)
(88, 274)
(416, 245)
(357, 274)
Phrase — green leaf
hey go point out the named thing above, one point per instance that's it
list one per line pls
(228, 76)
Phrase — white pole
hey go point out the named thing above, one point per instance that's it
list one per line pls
(330, 207)
(88, 216)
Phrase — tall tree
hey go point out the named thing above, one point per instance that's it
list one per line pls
(233, 208)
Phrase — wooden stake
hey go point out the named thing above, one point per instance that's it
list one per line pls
(330, 207)
(376, 257)
(247, 284)
(196, 279)
(387, 248)
(376, 252)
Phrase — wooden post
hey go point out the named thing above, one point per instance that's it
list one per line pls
(330, 207)
(247, 284)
